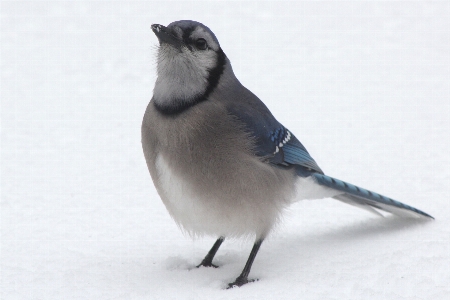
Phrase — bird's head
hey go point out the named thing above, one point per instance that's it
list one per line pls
(189, 64)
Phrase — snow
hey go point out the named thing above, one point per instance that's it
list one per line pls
(364, 85)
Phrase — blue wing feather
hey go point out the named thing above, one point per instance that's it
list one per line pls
(296, 154)
(272, 139)
(276, 143)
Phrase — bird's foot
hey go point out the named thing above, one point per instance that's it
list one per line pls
(207, 264)
(240, 281)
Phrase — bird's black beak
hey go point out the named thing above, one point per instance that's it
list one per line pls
(165, 35)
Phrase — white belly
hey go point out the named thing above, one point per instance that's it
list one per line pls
(218, 215)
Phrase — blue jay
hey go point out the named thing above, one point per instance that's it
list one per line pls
(221, 163)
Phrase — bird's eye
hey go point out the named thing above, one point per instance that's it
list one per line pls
(201, 44)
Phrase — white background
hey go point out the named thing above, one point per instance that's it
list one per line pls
(364, 85)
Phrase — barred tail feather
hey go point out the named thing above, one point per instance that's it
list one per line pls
(366, 199)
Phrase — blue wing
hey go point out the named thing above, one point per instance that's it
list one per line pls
(281, 147)
(273, 140)
(290, 151)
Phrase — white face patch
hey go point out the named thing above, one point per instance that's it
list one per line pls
(183, 75)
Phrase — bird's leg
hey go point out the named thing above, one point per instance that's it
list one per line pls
(207, 261)
(243, 278)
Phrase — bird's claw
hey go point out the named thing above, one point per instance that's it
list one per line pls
(240, 282)
(207, 265)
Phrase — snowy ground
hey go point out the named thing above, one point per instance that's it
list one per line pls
(365, 86)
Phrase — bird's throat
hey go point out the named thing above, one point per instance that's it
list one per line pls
(179, 86)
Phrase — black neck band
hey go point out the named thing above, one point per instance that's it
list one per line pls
(213, 80)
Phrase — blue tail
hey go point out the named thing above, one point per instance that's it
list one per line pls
(362, 197)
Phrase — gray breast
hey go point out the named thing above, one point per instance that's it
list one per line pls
(204, 168)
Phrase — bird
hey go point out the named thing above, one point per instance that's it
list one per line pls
(220, 161)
